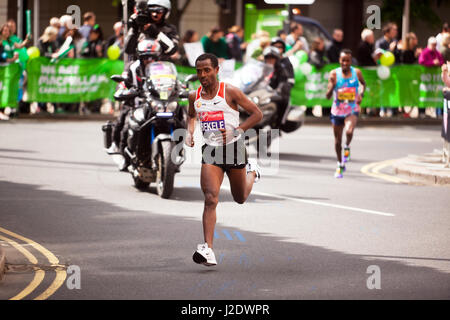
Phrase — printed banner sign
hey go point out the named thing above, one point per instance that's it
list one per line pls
(71, 80)
(9, 85)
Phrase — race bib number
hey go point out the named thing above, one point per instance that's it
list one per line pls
(347, 94)
(211, 121)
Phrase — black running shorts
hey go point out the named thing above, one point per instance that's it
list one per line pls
(230, 156)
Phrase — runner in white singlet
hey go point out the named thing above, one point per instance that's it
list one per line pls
(215, 105)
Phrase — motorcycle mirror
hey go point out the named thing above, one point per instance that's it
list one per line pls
(117, 78)
(191, 78)
(126, 95)
(184, 94)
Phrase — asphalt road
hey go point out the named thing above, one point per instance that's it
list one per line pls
(302, 234)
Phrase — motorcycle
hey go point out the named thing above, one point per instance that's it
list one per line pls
(253, 80)
(151, 147)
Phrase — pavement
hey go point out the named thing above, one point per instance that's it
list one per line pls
(424, 168)
(427, 168)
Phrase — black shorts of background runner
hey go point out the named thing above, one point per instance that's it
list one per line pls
(230, 156)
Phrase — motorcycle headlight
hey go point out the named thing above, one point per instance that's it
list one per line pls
(255, 100)
(159, 107)
(139, 114)
(172, 106)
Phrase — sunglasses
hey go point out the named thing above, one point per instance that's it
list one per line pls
(156, 10)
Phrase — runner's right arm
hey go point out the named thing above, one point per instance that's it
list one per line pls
(191, 120)
(331, 84)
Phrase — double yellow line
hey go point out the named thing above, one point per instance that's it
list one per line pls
(39, 274)
(373, 170)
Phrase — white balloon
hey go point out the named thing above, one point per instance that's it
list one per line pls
(306, 68)
(383, 72)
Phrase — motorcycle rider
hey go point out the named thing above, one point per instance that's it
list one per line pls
(148, 51)
(282, 78)
(149, 21)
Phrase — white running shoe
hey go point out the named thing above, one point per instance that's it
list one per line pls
(252, 165)
(204, 255)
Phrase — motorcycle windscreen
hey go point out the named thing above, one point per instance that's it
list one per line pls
(251, 73)
(163, 76)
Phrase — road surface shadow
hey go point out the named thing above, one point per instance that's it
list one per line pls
(312, 158)
(126, 254)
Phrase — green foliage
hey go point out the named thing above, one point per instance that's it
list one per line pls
(421, 10)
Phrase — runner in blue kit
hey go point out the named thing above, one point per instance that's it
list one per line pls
(347, 85)
(215, 105)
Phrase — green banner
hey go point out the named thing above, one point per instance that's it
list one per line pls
(408, 85)
(71, 80)
(9, 85)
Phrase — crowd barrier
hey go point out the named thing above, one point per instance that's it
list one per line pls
(83, 80)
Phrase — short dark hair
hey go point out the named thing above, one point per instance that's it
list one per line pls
(88, 16)
(211, 57)
(445, 26)
(280, 32)
(346, 51)
(387, 28)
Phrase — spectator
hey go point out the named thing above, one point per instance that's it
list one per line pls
(317, 55)
(408, 52)
(8, 47)
(73, 47)
(365, 52)
(264, 42)
(93, 45)
(446, 47)
(255, 43)
(180, 57)
(236, 44)
(282, 34)
(15, 40)
(116, 38)
(430, 57)
(47, 42)
(215, 43)
(440, 36)
(55, 23)
(88, 23)
(388, 41)
(296, 36)
(65, 24)
(334, 50)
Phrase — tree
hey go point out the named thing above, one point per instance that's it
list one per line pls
(421, 10)
(177, 12)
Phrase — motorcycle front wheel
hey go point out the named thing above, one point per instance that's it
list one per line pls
(166, 171)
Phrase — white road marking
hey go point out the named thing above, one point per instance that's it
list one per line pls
(317, 203)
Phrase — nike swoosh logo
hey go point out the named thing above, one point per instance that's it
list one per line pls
(216, 102)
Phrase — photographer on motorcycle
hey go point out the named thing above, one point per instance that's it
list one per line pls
(282, 78)
(149, 22)
(148, 51)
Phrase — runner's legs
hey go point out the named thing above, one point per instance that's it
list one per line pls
(211, 178)
(350, 124)
(338, 130)
(241, 184)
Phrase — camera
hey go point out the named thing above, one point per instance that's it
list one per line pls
(143, 14)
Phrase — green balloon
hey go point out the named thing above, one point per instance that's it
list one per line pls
(113, 52)
(301, 56)
(33, 52)
(387, 59)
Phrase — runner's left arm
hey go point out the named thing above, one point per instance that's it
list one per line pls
(363, 84)
(240, 99)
